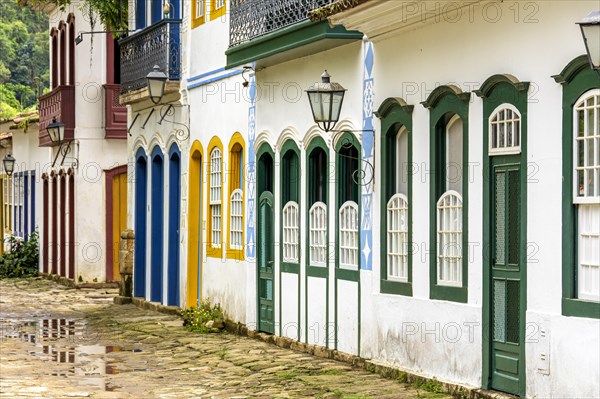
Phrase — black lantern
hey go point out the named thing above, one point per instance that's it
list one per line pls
(9, 164)
(590, 30)
(326, 102)
(156, 81)
(56, 131)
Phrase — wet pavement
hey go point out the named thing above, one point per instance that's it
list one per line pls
(60, 342)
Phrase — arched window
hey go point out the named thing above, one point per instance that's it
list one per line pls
(54, 62)
(449, 206)
(349, 235)
(215, 200)
(586, 192)
(235, 177)
(449, 239)
(290, 198)
(448, 122)
(397, 210)
(505, 130)
(71, 23)
(62, 28)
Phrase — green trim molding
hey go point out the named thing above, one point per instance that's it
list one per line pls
(441, 92)
(345, 140)
(487, 88)
(394, 114)
(294, 194)
(573, 68)
(316, 271)
(497, 90)
(576, 78)
(442, 103)
(289, 38)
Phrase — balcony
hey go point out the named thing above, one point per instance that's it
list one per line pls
(115, 114)
(158, 44)
(59, 103)
(269, 32)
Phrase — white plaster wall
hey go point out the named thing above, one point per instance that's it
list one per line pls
(289, 305)
(317, 316)
(347, 317)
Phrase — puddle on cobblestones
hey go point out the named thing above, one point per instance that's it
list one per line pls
(56, 341)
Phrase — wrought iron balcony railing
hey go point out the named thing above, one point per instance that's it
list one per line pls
(59, 103)
(158, 44)
(250, 19)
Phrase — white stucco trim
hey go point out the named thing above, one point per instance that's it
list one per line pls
(289, 133)
(313, 132)
(154, 141)
(140, 142)
(345, 125)
(264, 137)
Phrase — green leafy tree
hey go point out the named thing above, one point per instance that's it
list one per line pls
(24, 54)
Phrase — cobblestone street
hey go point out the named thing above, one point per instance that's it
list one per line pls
(59, 342)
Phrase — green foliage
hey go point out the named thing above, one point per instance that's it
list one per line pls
(195, 318)
(9, 105)
(23, 258)
(113, 14)
(24, 53)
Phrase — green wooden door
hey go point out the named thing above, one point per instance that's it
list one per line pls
(266, 252)
(507, 296)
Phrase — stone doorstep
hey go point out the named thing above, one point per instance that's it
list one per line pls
(384, 370)
(73, 284)
(154, 306)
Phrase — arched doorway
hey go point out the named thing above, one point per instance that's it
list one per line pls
(174, 224)
(157, 193)
(194, 266)
(265, 240)
(141, 201)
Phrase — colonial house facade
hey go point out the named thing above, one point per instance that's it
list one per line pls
(81, 180)
(448, 225)
(21, 203)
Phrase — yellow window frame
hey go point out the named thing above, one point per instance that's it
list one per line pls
(211, 251)
(234, 175)
(217, 12)
(197, 21)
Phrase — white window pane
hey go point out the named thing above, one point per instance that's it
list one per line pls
(348, 217)
(318, 234)
(589, 252)
(290, 232)
(449, 239)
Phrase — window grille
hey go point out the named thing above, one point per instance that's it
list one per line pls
(449, 239)
(318, 234)
(215, 197)
(290, 232)
(397, 238)
(348, 235)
